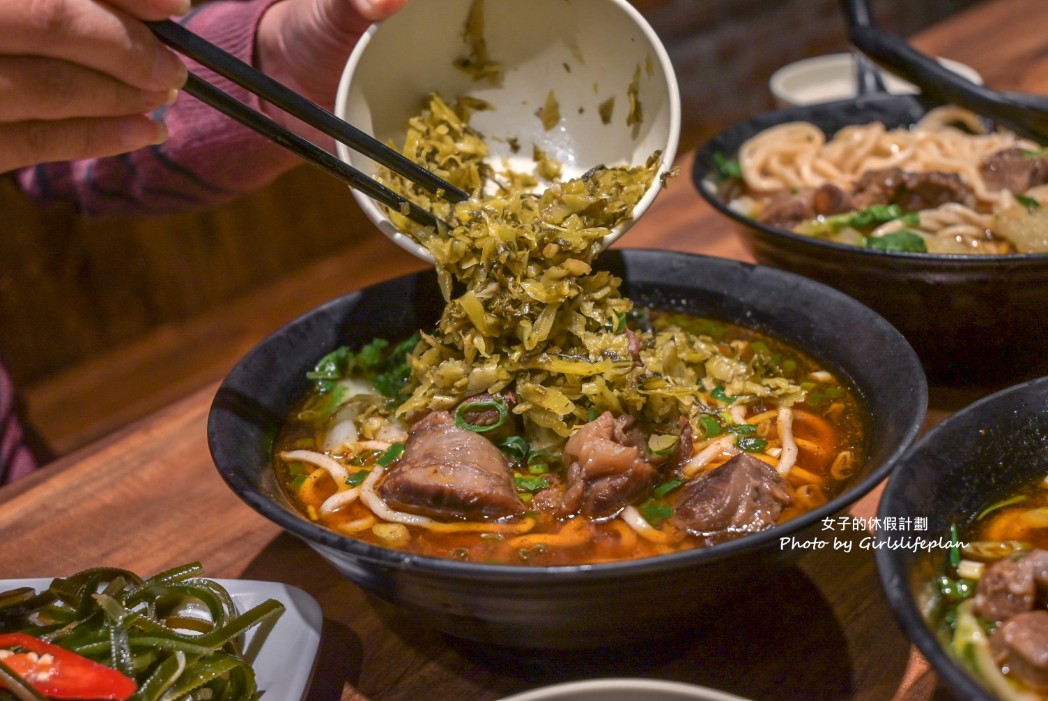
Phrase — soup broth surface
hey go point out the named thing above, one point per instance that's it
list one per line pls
(820, 431)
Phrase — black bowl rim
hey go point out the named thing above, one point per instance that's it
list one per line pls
(700, 179)
(314, 534)
(906, 611)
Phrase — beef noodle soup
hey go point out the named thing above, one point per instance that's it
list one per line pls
(945, 185)
(990, 604)
(546, 419)
(479, 481)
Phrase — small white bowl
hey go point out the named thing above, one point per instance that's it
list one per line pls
(585, 51)
(832, 77)
(623, 690)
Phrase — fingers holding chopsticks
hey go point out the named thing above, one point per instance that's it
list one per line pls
(304, 44)
(78, 78)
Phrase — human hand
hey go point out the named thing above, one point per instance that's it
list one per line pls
(304, 44)
(79, 77)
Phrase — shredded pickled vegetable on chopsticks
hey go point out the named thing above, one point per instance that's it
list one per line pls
(526, 310)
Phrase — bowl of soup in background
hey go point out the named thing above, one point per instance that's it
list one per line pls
(598, 63)
(981, 456)
(581, 605)
(974, 320)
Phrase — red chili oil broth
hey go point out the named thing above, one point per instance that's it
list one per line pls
(829, 422)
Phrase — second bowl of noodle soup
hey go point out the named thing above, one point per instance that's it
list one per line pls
(974, 490)
(942, 230)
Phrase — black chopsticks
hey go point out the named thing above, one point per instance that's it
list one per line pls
(232, 68)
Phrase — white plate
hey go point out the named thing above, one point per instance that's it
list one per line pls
(623, 690)
(284, 664)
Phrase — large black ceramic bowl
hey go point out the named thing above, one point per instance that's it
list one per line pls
(980, 455)
(972, 319)
(570, 606)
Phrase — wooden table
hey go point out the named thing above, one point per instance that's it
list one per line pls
(149, 498)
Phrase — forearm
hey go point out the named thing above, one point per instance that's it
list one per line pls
(207, 159)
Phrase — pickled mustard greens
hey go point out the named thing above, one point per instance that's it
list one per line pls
(144, 628)
(540, 378)
(529, 313)
(478, 63)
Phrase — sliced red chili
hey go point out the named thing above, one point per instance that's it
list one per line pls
(62, 674)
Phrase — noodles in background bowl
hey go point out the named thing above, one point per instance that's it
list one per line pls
(946, 185)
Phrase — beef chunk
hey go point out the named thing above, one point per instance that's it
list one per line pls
(608, 467)
(1005, 589)
(451, 472)
(742, 495)
(787, 210)
(1011, 586)
(1021, 643)
(911, 191)
(828, 199)
(682, 452)
(1015, 170)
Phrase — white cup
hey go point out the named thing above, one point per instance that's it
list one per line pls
(833, 77)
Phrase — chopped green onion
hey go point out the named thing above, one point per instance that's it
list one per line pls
(955, 549)
(719, 395)
(391, 455)
(540, 460)
(496, 404)
(955, 589)
(1000, 505)
(710, 427)
(751, 444)
(529, 483)
(514, 446)
(357, 477)
(655, 513)
(666, 487)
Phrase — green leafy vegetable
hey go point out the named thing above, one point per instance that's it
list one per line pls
(514, 446)
(138, 626)
(726, 168)
(1031, 204)
(906, 241)
(530, 483)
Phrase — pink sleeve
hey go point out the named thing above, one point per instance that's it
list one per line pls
(15, 459)
(208, 158)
